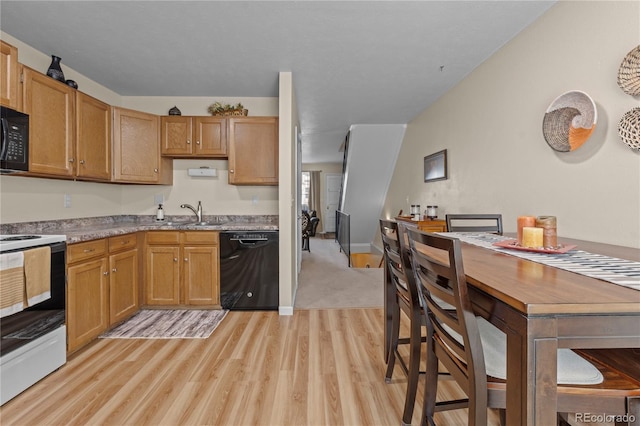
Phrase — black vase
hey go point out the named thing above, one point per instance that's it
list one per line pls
(54, 70)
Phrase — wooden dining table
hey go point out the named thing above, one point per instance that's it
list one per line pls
(542, 308)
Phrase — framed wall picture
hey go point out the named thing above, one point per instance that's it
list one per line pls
(435, 166)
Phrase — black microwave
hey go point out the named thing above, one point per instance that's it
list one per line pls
(15, 141)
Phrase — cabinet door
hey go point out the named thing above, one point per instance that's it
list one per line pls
(253, 151)
(123, 285)
(162, 275)
(51, 106)
(210, 136)
(136, 149)
(8, 75)
(201, 275)
(93, 138)
(176, 135)
(87, 302)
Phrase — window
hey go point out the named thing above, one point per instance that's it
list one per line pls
(306, 186)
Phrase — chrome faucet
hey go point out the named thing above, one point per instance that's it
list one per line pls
(197, 212)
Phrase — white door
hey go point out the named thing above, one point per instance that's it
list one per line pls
(333, 181)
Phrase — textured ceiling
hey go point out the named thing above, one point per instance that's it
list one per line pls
(353, 62)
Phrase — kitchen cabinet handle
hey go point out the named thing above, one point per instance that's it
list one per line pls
(188, 142)
(175, 259)
(125, 242)
(89, 250)
(114, 270)
(105, 273)
(71, 160)
(197, 142)
(155, 170)
(186, 259)
(81, 161)
(231, 171)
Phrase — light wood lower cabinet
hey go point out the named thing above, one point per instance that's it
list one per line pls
(182, 268)
(87, 292)
(123, 277)
(102, 286)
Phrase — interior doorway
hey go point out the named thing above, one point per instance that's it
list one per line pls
(333, 181)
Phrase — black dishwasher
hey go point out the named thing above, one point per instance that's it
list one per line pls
(249, 270)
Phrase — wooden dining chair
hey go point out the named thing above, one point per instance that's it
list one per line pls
(388, 228)
(474, 351)
(474, 223)
(403, 296)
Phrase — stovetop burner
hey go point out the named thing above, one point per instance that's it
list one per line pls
(20, 237)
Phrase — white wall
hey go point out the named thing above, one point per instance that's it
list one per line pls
(371, 156)
(491, 125)
(287, 209)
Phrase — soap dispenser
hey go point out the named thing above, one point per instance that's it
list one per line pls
(160, 213)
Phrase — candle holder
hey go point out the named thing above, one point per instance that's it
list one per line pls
(432, 212)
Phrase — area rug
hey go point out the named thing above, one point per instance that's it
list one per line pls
(168, 324)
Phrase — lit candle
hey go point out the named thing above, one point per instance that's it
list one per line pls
(532, 237)
(522, 222)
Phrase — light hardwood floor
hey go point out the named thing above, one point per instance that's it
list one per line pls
(317, 367)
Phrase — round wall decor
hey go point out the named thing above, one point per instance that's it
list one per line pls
(629, 72)
(629, 128)
(569, 121)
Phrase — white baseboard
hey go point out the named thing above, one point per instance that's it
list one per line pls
(285, 310)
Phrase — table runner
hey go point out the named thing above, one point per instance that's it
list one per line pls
(614, 270)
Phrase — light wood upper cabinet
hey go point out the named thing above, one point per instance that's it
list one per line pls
(253, 150)
(9, 79)
(93, 138)
(51, 108)
(184, 136)
(136, 149)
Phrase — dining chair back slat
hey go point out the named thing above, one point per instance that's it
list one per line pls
(474, 223)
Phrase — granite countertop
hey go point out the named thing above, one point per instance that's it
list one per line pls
(85, 229)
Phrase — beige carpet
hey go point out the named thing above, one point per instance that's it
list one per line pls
(326, 281)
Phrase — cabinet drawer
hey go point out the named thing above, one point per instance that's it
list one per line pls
(122, 242)
(163, 237)
(200, 237)
(86, 250)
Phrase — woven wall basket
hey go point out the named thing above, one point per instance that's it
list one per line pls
(569, 121)
(629, 73)
(629, 128)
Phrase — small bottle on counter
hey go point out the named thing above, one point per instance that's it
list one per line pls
(160, 213)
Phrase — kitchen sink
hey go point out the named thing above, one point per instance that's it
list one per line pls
(184, 223)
